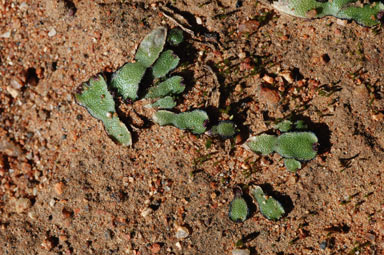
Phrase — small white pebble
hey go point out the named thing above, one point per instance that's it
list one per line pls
(32, 215)
(16, 84)
(199, 21)
(341, 22)
(178, 245)
(181, 232)
(242, 55)
(52, 32)
(52, 203)
(6, 35)
(23, 6)
(146, 212)
(241, 252)
(14, 93)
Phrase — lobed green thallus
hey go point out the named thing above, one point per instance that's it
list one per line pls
(100, 104)
(369, 14)
(269, 206)
(292, 146)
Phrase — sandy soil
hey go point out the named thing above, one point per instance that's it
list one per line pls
(66, 188)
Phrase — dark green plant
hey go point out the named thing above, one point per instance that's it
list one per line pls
(166, 62)
(364, 14)
(238, 208)
(127, 79)
(171, 86)
(264, 144)
(176, 36)
(151, 46)
(96, 98)
(269, 206)
(293, 146)
(164, 103)
(225, 129)
(195, 121)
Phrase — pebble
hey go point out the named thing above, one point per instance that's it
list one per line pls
(341, 22)
(323, 245)
(155, 248)
(199, 21)
(16, 83)
(378, 117)
(23, 6)
(181, 232)
(146, 212)
(6, 35)
(268, 79)
(241, 252)
(242, 55)
(48, 244)
(14, 93)
(22, 204)
(32, 215)
(52, 32)
(249, 26)
(287, 75)
(269, 96)
(178, 245)
(59, 188)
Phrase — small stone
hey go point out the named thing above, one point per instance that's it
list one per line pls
(108, 234)
(22, 204)
(32, 215)
(59, 188)
(63, 238)
(323, 245)
(6, 35)
(341, 22)
(155, 248)
(269, 96)
(249, 26)
(238, 88)
(52, 32)
(146, 212)
(14, 93)
(181, 232)
(241, 252)
(378, 117)
(199, 21)
(16, 83)
(48, 244)
(52, 203)
(268, 79)
(287, 75)
(242, 55)
(178, 245)
(23, 6)
(238, 139)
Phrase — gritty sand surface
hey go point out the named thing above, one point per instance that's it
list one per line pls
(67, 188)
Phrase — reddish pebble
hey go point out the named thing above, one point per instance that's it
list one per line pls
(269, 96)
(155, 248)
(59, 188)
